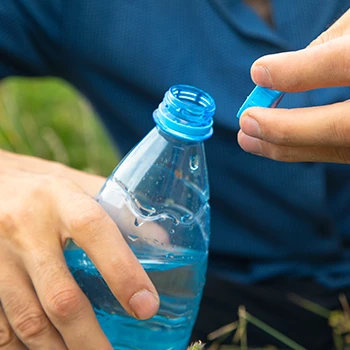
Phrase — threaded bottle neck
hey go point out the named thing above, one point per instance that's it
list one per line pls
(186, 112)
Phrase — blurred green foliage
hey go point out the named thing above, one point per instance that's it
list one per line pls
(49, 119)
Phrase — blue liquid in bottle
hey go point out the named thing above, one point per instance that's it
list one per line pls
(158, 197)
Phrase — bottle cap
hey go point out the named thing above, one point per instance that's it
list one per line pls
(261, 97)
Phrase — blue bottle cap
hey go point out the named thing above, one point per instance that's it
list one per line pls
(261, 97)
(186, 112)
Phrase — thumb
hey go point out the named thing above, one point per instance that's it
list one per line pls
(324, 63)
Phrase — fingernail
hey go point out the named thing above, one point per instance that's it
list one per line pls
(250, 144)
(144, 304)
(262, 77)
(250, 126)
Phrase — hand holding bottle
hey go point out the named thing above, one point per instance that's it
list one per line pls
(42, 306)
(304, 134)
(158, 197)
(151, 214)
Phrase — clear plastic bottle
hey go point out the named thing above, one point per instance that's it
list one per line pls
(158, 196)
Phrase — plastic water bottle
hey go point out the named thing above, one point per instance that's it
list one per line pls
(158, 196)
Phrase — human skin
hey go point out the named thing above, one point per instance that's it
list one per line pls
(316, 134)
(42, 205)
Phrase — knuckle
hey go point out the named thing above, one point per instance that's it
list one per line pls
(345, 63)
(7, 223)
(18, 213)
(39, 188)
(126, 271)
(30, 325)
(281, 131)
(6, 334)
(341, 156)
(282, 135)
(340, 130)
(277, 153)
(332, 33)
(338, 65)
(323, 38)
(91, 219)
(65, 303)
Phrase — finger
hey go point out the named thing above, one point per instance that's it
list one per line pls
(24, 312)
(314, 126)
(8, 339)
(319, 66)
(88, 182)
(63, 301)
(96, 233)
(340, 28)
(293, 154)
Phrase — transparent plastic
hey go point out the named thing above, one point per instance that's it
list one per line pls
(158, 196)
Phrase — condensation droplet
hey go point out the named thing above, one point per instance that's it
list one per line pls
(172, 231)
(155, 241)
(194, 162)
(138, 223)
(174, 219)
(170, 255)
(132, 237)
(147, 210)
(186, 218)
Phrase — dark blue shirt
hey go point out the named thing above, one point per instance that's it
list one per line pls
(269, 219)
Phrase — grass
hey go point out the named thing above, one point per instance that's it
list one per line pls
(49, 119)
(338, 320)
(196, 346)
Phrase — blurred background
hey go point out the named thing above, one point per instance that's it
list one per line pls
(49, 119)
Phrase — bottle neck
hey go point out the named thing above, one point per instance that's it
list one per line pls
(186, 113)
